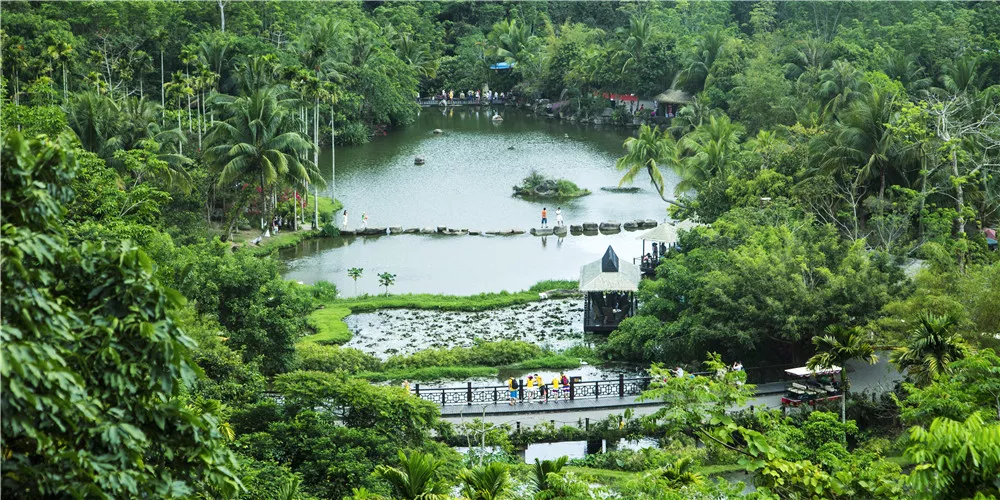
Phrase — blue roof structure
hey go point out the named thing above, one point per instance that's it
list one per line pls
(502, 65)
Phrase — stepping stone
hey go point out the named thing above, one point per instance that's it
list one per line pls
(442, 229)
(559, 230)
(395, 229)
(649, 223)
(590, 226)
(474, 233)
(541, 231)
(610, 226)
(411, 230)
(631, 226)
(575, 227)
(347, 232)
(427, 230)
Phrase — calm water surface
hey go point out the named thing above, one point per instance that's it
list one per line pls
(466, 183)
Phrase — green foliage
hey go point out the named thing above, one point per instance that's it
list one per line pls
(94, 367)
(955, 459)
(310, 356)
(536, 185)
(416, 477)
(485, 482)
(386, 279)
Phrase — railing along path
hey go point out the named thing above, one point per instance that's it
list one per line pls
(497, 394)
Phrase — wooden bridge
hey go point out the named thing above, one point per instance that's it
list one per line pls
(500, 394)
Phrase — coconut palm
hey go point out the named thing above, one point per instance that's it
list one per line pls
(864, 143)
(639, 34)
(961, 75)
(257, 144)
(840, 345)
(930, 348)
(256, 73)
(485, 482)
(807, 57)
(712, 150)
(707, 50)
(839, 85)
(94, 118)
(543, 469)
(415, 478)
(514, 37)
(645, 154)
(906, 69)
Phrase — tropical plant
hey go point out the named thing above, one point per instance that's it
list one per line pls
(485, 482)
(840, 345)
(930, 348)
(386, 279)
(257, 144)
(707, 50)
(679, 473)
(540, 479)
(955, 459)
(355, 273)
(416, 477)
(711, 151)
(645, 154)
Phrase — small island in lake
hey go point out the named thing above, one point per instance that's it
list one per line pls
(537, 185)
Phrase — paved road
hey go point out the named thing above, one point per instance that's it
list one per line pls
(879, 377)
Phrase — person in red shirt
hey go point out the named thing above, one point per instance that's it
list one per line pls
(545, 217)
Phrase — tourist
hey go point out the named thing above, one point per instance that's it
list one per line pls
(555, 387)
(451, 95)
(512, 387)
(406, 386)
(559, 219)
(564, 380)
(345, 220)
(529, 389)
(545, 217)
(678, 372)
(544, 396)
(364, 220)
(737, 366)
(663, 249)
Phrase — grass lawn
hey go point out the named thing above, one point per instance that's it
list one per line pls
(329, 325)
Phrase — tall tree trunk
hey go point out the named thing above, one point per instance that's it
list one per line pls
(163, 92)
(959, 224)
(65, 85)
(265, 222)
(222, 14)
(316, 161)
(333, 163)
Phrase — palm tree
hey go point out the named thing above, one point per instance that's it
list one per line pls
(807, 57)
(707, 50)
(485, 482)
(863, 142)
(679, 473)
(836, 348)
(256, 73)
(960, 75)
(646, 153)
(543, 469)
(906, 69)
(94, 118)
(514, 37)
(839, 85)
(60, 52)
(415, 478)
(931, 347)
(640, 32)
(354, 273)
(712, 151)
(257, 144)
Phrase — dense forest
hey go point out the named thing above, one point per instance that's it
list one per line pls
(843, 159)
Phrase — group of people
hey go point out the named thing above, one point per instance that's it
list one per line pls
(535, 389)
(545, 217)
(475, 97)
(736, 367)
(364, 220)
(659, 250)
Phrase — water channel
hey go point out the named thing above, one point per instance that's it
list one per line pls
(466, 183)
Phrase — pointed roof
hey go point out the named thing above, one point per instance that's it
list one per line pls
(609, 274)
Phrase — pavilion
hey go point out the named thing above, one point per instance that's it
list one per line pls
(670, 101)
(667, 234)
(609, 288)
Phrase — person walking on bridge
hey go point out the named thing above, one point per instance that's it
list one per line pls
(345, 220)
(555, 387)
(512, 387)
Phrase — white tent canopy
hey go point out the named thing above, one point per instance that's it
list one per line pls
(804, 371)
(666, 232)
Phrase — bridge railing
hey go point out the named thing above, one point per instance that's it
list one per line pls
(497, 394)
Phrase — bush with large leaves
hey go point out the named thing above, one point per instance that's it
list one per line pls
(94, 368)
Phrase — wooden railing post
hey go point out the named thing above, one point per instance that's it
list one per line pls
(495, 396)
(442, 397)
(520, 390)
(468, 394)
(572, 389)
(417, 389)
(597, 389)
(621, 385)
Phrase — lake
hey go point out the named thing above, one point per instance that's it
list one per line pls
(466, 183)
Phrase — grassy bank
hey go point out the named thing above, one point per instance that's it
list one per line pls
(466, 303)
(329, 325)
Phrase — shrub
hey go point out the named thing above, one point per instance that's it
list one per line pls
(325, 358)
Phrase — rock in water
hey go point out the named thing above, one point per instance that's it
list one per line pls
(418, 160)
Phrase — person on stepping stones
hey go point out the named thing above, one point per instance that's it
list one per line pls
(545, 217)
